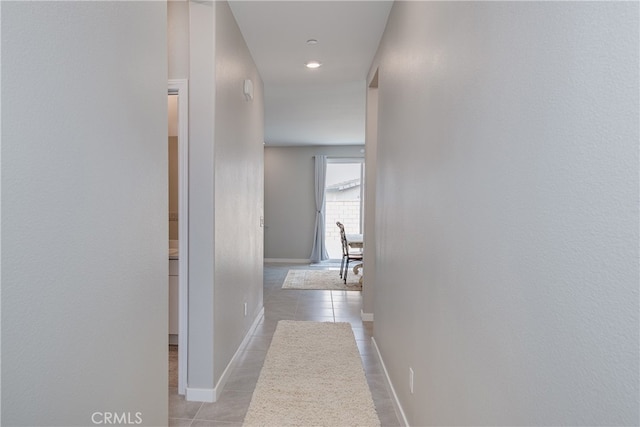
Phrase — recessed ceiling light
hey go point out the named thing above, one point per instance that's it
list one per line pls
(313, 64)
(312, 41)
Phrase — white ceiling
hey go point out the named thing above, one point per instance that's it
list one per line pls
(325, 106)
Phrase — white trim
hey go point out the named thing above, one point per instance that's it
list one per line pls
(200, 394)
(288, 260)
(212, 394)
(182, 88)
(234, 360)
(394, 396)
(366, 317)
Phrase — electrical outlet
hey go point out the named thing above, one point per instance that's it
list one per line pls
(245, 308)
(411, 380)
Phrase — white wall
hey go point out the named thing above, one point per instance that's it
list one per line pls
(507, 221)
(84, 197)
(225, 195)
(369, 236)
(239, 177)
(201, 194)
(178, 38)
(290, 206)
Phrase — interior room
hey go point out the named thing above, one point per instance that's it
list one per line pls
(495, 279)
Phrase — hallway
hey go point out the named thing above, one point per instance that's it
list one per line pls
(279, 304)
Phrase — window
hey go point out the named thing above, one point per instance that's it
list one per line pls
(343, 195)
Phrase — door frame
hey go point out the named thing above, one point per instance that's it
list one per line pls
(180, 87)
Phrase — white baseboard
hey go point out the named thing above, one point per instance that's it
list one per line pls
(232, 363)
(211, 395)
(394, 396)
(200, 394)
(366, 317)
(287, 260)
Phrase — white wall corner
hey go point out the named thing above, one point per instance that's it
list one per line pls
(211, 395)
(394, 397)
(366, 317)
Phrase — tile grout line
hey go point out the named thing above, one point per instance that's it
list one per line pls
(302, 303)
(197, 412)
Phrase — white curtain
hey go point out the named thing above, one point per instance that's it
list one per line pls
(319, 251)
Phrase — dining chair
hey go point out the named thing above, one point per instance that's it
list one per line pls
(346, 255)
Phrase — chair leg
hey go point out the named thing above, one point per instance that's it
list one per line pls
(341, 266)
(346, 268)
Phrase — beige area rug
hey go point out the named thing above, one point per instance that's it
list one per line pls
(322, 279)
(312, 376)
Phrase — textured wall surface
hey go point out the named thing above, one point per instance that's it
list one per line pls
(178, 38)
(226, 192)
(239, 177)
(201, 193)
(84, 224)
(507, 221)
(370, 177)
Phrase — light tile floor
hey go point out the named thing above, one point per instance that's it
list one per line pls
(285, 304)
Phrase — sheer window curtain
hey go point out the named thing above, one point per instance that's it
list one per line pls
(319, 250)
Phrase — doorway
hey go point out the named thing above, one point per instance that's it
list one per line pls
(343, 197)
(178, 91)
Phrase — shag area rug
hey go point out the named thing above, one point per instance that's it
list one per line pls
(312, 376)
(322, 279)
